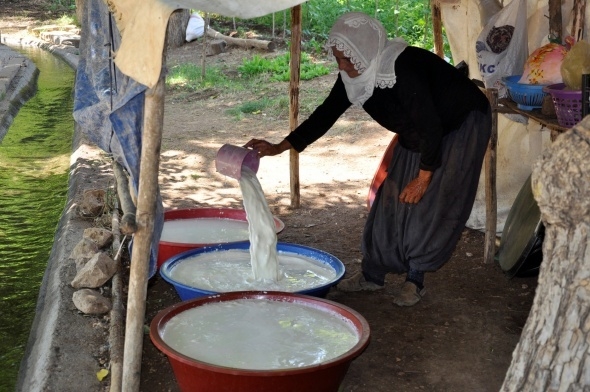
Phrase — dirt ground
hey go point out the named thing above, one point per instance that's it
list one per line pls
(460, 337)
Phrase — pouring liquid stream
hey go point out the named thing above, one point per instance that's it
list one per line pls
(263, 237)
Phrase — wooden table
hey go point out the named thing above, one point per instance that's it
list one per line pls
(506, 105)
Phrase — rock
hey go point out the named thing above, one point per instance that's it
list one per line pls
(80, 263)
(102, 237)
(216, 46)
(96, 272)
(85, 249)
(92, 203)
(91, 302)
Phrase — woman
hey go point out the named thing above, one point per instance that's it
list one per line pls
(443, 122)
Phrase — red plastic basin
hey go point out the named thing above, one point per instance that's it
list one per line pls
(167, 249)
(197, 376)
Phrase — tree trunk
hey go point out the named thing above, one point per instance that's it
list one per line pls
(553, 352)
(80, 4)
(177, 28)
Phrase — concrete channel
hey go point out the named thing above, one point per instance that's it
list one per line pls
(65, 347)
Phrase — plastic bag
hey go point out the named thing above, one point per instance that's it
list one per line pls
(195, 27)
(575, 64)
(544, 65)
(502, 46)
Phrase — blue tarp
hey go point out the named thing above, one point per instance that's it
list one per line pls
(108, 106)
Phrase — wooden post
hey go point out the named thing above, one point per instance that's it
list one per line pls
(555, 21)
(204, 50)
(153, 120)
(116, 339)
(294, 100)
(437, 28)
(490, 181)
(578, 22)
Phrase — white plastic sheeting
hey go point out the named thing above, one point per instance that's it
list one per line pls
(519, 145)
(142, 24)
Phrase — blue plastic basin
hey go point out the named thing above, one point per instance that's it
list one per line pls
(188, 292)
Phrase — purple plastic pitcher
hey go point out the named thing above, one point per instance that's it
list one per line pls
(230, 159)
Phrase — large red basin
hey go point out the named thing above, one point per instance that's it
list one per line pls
(197, 376)
(167, 249)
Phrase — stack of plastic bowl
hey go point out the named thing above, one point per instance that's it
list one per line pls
(526, 96)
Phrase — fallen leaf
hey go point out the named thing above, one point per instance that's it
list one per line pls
(101, 374)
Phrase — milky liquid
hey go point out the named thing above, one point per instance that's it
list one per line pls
(259, 334)
(205, 231)
(231, 270)
(263, 238)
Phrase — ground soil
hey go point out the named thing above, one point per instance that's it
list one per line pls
(460, 337)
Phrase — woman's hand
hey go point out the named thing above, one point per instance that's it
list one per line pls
(414, 191)
(265, 148)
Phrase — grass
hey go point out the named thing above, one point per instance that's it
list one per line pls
(265, 80)
(189, 76)
(278, 68)
(265, 106)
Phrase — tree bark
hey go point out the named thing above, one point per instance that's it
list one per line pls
(553, 351)
(80, 4)
(176, 30)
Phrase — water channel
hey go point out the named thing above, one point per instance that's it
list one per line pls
(34, 162)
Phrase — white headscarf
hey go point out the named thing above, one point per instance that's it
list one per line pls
(364, 40)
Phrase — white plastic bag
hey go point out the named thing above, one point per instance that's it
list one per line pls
(195, 27)
(502, 47)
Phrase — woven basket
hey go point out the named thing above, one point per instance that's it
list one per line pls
(568, 104)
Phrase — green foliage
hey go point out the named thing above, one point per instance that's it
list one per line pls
(62, 5)
(189, 76)
(66, 20)
(409, 19)
(278, 67)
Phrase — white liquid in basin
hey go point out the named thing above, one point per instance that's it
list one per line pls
(259, 334)
(205, 231)
(230, 270)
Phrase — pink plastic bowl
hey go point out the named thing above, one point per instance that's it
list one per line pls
(196, 376)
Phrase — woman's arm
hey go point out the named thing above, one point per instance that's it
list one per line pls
(265, 148)
(318, 123)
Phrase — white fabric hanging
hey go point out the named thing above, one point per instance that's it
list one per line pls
(142, 24)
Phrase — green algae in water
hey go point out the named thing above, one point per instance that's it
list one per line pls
(34, 156)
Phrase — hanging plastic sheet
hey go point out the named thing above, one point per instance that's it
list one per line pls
(108, 105)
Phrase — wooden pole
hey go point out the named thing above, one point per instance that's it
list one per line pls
(284, 23)
(204, 50)
(116, 339)
(555, 21)
(490, 181)
(294, 100)
(153, 121)
(578, 22)
(437, 28)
